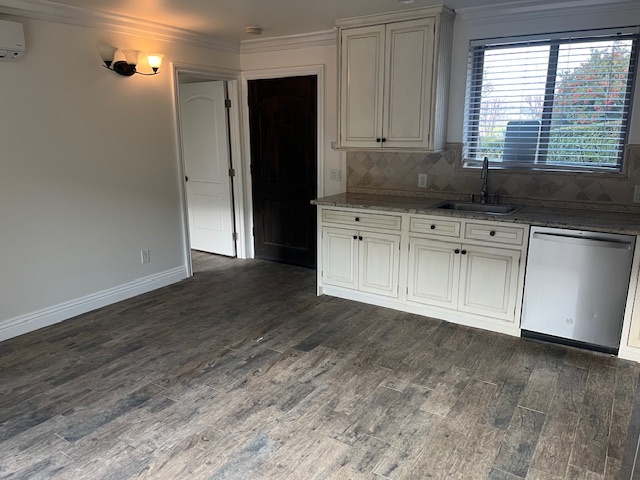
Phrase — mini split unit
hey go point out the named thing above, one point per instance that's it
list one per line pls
(11, 41)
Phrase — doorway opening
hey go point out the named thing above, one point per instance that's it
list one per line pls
(209, 141)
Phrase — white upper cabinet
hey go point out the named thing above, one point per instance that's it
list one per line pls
(394, 80)
(362, 82)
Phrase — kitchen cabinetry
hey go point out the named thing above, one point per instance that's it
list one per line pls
(479, 279)
(461, 270)
(364, 260)
(394, 79)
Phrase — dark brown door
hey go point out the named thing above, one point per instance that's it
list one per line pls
(283, 134)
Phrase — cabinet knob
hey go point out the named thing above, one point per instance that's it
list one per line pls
(384, 140)
(457, 250)
(464, 252)
(357, 219)
(378, 140)
(360, 238)
(433, 227)
(492, 233)
(355, 237)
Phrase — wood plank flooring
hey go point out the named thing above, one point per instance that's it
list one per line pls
(242, 372)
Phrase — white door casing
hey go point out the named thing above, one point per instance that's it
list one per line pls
(205, 144)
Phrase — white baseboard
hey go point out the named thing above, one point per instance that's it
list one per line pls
(48, 316)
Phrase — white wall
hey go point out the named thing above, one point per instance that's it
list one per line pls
(317, 55)
(89, 169)
(467, 28)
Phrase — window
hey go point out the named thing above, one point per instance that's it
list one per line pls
(557, 103)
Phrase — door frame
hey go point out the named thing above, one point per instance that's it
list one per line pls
(232, 77)
(318, 71)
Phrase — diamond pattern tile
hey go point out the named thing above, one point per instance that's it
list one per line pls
(397, 173)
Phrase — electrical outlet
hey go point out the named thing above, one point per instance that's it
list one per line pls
(334, 145)
(422, 180)
(335, 174)
(145, 256)
(636, 194)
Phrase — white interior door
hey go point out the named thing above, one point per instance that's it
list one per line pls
(205, 144)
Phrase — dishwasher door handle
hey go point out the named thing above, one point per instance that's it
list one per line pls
(586, 241)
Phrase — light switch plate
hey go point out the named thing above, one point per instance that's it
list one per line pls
(422, 180)
(636, 194)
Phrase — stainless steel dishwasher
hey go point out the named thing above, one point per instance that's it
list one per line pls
(576, 286)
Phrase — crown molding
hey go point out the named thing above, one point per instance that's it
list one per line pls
(288, 42)
(86, 17)
(532, 9)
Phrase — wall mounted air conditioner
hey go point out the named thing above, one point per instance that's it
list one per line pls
(11, 41)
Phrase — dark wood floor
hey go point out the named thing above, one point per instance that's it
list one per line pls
(243, 373)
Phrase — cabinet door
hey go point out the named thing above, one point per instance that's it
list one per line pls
(408, 83)
(434, 271)
(340, 257)
(489, 280)
(362, 74)
(379, 263)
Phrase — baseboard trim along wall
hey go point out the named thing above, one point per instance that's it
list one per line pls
(64, 311)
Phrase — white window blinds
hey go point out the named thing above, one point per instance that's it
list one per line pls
(560, 103)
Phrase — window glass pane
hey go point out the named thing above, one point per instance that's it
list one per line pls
(590, 104)
(550, 103)
(513, 85)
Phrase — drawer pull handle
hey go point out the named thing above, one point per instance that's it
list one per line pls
(457, 250)
(492, 233)
(357, 219)
(433, 227)
(464, 252)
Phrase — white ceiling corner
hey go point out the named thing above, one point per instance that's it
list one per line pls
(85, 17)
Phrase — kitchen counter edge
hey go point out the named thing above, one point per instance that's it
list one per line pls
(624, 223)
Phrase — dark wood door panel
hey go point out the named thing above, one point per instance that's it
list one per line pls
(283, 135)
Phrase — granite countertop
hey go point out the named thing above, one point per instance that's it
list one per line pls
(533, 215)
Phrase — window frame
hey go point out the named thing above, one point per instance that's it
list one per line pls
(473, 99)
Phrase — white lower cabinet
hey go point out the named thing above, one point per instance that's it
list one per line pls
(366, 261)
(468, 278)
(434, 273)
(489, 281)
(466, 271)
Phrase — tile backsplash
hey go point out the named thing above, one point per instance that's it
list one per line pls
(396, 173)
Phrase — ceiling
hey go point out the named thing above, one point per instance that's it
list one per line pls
(226, 19)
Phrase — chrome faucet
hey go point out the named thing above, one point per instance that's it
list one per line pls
(484, 175)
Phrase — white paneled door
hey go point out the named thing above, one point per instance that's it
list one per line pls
(205, 143)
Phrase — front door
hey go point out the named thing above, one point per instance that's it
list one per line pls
(205, 143)
(283, 134)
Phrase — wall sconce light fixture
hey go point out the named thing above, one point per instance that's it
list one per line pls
(127, 67)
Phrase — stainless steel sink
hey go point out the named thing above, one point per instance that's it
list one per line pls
(489, 209)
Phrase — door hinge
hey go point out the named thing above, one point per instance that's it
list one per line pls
(234, 235)
(232, 172)
(227, 103)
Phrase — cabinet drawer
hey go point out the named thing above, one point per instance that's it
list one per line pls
(494, 234)
(439, 228)
(389, 222)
